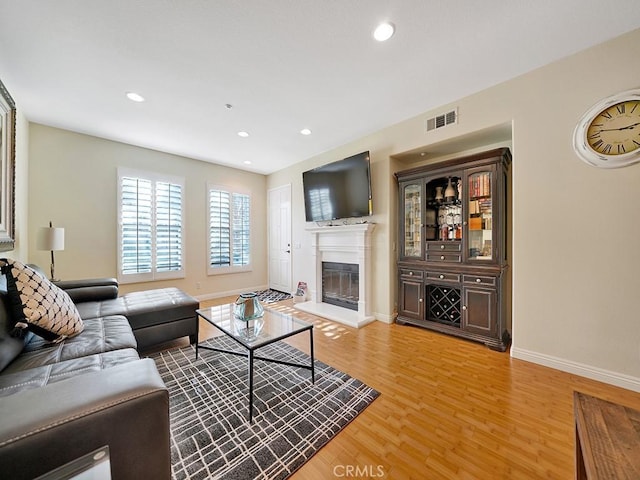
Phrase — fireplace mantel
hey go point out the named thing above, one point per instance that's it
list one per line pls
(345, 244)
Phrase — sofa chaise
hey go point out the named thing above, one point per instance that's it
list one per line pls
(156, 316)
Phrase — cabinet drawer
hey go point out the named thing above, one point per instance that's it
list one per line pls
(443, 257)
(410, 273)
(479, 280)
(445, 277)
(432, 247)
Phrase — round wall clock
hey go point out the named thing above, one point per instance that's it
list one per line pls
(608, 134)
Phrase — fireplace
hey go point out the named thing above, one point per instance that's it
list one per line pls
(344, 294)
(340, 284)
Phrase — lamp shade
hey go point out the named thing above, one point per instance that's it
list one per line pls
(51, 238)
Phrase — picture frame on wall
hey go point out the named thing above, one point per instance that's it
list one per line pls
(7, 169)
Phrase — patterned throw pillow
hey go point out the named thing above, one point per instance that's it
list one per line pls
(38, 305)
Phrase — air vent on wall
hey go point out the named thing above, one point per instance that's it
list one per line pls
(443, 120)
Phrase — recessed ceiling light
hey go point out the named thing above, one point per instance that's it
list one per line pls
(135, 97)
(384, 31)
(305, 131)
(247, 162)
(243, 134)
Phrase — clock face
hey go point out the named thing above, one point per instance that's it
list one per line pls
(616, 129)
(608, 134)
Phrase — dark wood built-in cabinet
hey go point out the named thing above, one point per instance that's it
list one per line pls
(452, 247)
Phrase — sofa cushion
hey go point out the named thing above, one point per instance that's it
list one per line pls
(37, 304)
(100, 335)
(11, 383)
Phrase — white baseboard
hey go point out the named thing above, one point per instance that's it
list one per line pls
(594, 373)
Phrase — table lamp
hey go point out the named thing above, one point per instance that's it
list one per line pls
(51, 238)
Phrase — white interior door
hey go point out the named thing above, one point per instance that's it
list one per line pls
(280, 238)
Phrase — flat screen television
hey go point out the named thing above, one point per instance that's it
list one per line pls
(338, 190)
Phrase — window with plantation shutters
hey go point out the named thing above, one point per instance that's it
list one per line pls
(136, 232)
(150, 229)
(168, 227)
(229, 230)
(219, 228)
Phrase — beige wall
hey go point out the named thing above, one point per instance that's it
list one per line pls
(73, 183)
(575, 232)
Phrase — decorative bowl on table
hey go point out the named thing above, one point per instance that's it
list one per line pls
(248, 307)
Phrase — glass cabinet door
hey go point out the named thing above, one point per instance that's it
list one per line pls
(480, 214)
(443, 213)
(412, 199)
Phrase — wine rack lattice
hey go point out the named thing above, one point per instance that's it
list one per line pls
(443, 305)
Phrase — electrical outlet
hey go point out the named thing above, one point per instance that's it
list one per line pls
(198, 285)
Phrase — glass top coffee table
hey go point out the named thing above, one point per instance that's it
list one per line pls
(254, 334)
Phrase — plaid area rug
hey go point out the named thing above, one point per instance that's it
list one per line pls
(271, 296)
(210, 434)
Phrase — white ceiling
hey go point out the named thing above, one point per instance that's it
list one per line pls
(283, 64)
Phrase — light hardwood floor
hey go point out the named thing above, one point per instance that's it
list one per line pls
(448, 408)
